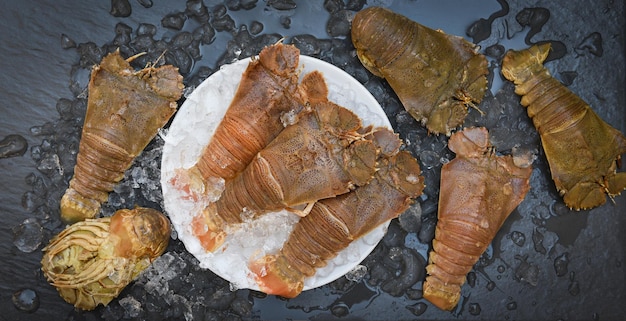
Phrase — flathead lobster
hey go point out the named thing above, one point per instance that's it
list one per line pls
(323, 155)
(125, 110)
(435, 75)
(335, 222)
(269, 97)
(478, 191)
(92, 261)
(582, 150)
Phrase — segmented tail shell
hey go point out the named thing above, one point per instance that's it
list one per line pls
(435, 75)
(334, 223)
(322, 155)
(268, 90)
(581, 148)
(310, 160)
(478, 191)
(125, 110)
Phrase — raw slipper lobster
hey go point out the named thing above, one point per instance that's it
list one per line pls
(92, 261)
(125, 110)
(323, 155)
(435, 75)
(582, 150)
(268, 98)
(478, 191)
(333, 223)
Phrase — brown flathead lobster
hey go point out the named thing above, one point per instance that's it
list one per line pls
(334, 223)
(435, 75)
(92, 261)
(478, 192)
(582, 150)
(125, 110)
(322, 155)
(268, 97)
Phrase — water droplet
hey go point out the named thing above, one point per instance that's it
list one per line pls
(538, 241)
(511, 305)
(560, 264)
(527, 272)
(471, 278)
(592, 44)
(574, 288)
(495, 51)
(26, 300)
(418, 308)
(145, 3)
(282, 4)
(501, 268)
(491, 285)
(13, 145)
(474, 309)
(339, 309)
(256, 27)
(120, 8)
(67, 42)
(518, 238)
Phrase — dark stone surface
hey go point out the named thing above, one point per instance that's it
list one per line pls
(546, 263)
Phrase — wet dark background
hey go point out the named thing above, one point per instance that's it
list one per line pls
(547, 263)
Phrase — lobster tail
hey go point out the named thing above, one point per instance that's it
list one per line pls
(320, 156)
(566, 123)
(125, 110)
(479, 190)
(315, 239)
(100, 165)
(435, 75)
(268, 90)
(334, 223)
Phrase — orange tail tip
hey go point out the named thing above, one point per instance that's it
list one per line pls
(210, 238)
(444, 296)
(273, 280)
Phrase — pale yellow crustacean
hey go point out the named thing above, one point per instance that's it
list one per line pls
(92, 261)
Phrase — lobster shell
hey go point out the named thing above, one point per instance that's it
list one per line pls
(334, 223)
(435, 75)
(322, 155)
(478, 191)
(269, 89)
(92, 261)
(125, 110)
(582, 150)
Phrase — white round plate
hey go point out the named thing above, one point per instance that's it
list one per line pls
(192, 129)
